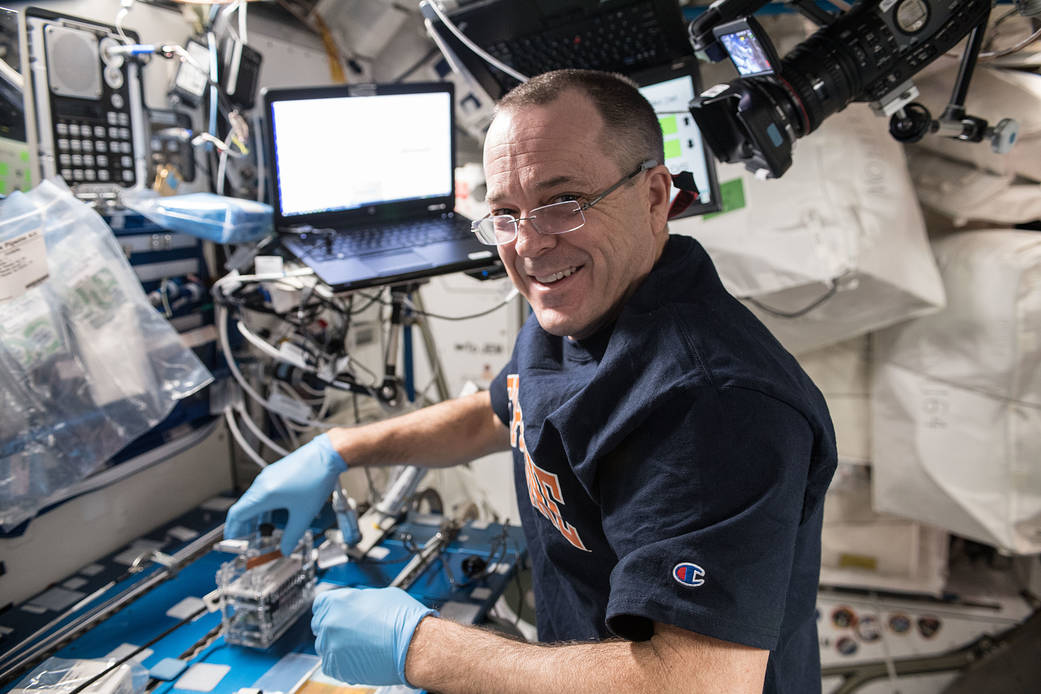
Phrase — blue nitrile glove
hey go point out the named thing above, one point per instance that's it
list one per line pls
(363, 634)
(300, 483)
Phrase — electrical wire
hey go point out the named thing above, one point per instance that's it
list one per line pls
(259, 149)
(258, 432)
(222, 165)
(995, 54)
(798, 312)
(242, 21)
(419, 312)
(222, 335)
(238, 6)
(992, 55)
(487, 57)
(241, 440)
(124, 10)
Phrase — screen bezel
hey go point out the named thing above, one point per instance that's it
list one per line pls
(380, 212)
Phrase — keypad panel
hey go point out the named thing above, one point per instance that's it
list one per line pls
(95, 146)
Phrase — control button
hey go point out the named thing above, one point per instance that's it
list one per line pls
(74, 129)
(113, 132)
(103, 175)
(124, 147)
(99, 131)
(88, 160)
(88, 145)
(113, 117)
(62, 129)
(126, 162)
(63, 143)
(101, 159)
(124, 133)
(117, 100)
(128, 175)
(77, 160)
(89, 174)
(100, 146)
(113, 76)
(77, 174)
(64, 159)
(124, 119)
(66, 174)
(74, 145)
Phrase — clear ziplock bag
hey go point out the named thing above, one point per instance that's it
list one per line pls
(86, 364)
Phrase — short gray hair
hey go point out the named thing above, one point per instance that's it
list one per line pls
(632, 133)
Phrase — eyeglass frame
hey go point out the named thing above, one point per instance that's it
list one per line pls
(645, 165)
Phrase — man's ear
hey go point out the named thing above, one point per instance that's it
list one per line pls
(659, 189)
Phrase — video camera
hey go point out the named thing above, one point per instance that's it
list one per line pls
(868, 53)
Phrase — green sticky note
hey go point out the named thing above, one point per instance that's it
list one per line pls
(24, 155)
(668, 125)
(4, 168)
(673, 148)
(3, 187)
(731, 196)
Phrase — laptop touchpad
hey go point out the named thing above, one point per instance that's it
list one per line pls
(398, 261)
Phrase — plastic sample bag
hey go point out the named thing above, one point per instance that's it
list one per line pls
(63, 676)
(86, 364)
(840, 232)
(211, 217)
(956, 433)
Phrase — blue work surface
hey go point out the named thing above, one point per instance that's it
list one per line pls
(200, 641)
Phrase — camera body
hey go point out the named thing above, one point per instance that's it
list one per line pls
(869, 54)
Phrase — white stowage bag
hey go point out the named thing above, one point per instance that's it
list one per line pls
(843, 219)
(995, 94)
(965, 193)
(956, 411)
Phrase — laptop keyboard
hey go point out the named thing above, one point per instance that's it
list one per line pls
(331, 244)
(625, 40)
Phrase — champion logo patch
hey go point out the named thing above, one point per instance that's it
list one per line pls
(690, 575)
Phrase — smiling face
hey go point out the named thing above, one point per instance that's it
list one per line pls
(537, 155)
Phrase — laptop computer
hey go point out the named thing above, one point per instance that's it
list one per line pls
(534, 37)
(364, 185)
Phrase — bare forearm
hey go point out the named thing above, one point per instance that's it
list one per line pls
(453, 659)
(444, 434)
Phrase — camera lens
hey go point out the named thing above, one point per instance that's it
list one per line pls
(832, 67)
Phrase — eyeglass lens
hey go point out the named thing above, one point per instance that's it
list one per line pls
(558, 218)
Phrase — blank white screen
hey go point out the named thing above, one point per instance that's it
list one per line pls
(347, 152)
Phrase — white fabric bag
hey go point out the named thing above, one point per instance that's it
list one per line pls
(965, 193)
(994, 94)
(956, 431)
(842, 223)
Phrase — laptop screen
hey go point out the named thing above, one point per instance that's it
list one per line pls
(669, 89)
(341, 153)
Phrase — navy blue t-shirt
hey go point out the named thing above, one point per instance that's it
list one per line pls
(672, 468)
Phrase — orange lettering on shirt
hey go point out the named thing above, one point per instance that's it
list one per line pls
(543, 486)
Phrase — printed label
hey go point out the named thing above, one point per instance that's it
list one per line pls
(23, 264)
